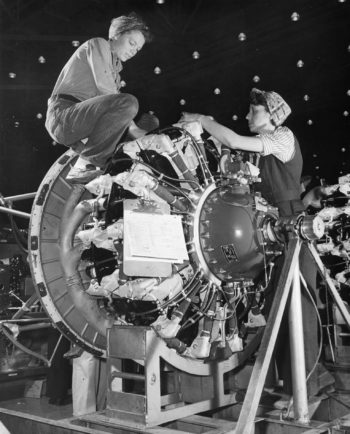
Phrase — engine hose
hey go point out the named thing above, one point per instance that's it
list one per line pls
(212, 149)
(208, 311)
(200, 151)
(247, 308)
(180, 311)
(232, 324)
(192, 320)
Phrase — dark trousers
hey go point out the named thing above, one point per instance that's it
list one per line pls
(59, 376)
(102, 119)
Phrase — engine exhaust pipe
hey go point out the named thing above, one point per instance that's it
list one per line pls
(73, 215)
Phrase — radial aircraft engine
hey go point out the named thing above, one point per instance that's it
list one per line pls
(172, 236)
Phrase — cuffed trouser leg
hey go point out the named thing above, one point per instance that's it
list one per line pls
(84, 384)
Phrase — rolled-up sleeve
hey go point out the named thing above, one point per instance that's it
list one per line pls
(98, 57)
(279, 143)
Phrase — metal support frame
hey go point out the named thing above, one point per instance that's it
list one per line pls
(16, 198)
(24, 324)
(290, 278)
(296, 334)
(257, 380)
(154, 405)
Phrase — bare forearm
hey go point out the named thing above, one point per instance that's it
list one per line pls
(229, 137)
(220, 132)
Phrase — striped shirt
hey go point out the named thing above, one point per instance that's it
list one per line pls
(279, 143)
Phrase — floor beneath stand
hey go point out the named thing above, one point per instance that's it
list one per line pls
(37, 415)
(38, 407)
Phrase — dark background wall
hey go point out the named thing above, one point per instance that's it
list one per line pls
(318, 92)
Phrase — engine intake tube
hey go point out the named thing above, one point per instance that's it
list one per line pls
(165, 194)
(181, 165)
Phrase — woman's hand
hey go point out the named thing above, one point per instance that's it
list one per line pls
(191, 117)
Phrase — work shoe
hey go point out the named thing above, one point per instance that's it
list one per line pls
(83, 172)
(74, 352)
(83, 176)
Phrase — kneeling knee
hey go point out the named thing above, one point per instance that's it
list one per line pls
(131, 104)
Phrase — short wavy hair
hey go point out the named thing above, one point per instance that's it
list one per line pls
(258, 97)
(128, 23)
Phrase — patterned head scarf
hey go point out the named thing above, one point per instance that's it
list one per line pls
(275, 104)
